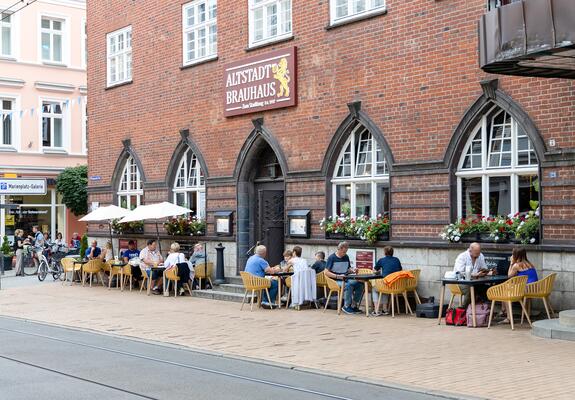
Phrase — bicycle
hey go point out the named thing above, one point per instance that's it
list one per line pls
(29, 267)
(53, 267)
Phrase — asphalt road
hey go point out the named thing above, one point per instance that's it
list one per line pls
(44, 362)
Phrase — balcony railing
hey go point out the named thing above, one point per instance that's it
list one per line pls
(529, 38)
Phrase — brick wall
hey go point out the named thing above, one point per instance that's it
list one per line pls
(415, 71)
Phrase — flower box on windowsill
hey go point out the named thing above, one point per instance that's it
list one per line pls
(384, 237)
(336, 236)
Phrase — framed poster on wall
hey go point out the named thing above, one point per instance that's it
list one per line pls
(362, 258)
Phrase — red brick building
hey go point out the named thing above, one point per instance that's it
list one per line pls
(393, 115)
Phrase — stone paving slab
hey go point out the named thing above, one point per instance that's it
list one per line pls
(496, 363)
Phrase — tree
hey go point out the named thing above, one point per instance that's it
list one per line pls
(72, 184)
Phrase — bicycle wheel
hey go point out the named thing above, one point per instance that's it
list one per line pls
(29, 267)
(42, 271)
(56, 270)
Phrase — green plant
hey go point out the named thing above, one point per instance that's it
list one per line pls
(6, 249)
(372, 229)
(184, 226)
(528, 228)
(127, 227)
(72, 184)
(83, 245)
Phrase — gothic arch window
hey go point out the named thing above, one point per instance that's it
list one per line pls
(360, 181)
(498, 173)
(130, 190)
(189, 186)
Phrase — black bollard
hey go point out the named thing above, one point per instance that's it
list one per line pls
(220, 265)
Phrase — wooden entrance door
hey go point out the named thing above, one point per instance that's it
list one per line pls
(271, 223)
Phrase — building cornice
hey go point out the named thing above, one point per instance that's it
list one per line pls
(12, 83)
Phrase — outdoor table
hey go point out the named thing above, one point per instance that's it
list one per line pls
(484, 280)
(281, 276)
(119, 264)
(361, 278)
(156, 268)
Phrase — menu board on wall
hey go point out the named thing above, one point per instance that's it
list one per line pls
(362, 258)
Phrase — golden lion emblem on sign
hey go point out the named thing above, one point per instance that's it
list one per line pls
(281, 73)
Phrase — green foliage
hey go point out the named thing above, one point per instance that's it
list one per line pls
(6, 249)
(83, 245)
(185, 226)
(72, 184)
(127, 227)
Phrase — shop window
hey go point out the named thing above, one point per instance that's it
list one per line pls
(52, 39)
(498, 173)
(269, 20)
(6, 34)
(189, 186)
(342, 10)
(119, 50)
(200, 31)
(6, 122)
(493, 4)
(52, 124)
(130, 191)
(361, 178)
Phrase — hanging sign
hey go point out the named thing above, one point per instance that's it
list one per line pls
(23, 186)
(261, 83)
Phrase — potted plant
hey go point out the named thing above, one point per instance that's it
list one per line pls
(373, 230)
(185, 226)
(127, 227)
(528, 228)
(83, 246)
(500, 228)
(339, 227)
(7, 254)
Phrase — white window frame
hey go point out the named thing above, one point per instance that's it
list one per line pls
(127, 59)
(126, 176)
(84, 107)
(199, 188)
(352, 180)
(369, 10)
(16, 121)
(65, 20)
(84, 44)
(66, 121)
(14, 34)
(486, 172)
(210, 53)
(267, 39)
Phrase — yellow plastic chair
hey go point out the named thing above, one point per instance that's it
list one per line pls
(90, 268)
(540, 290)
(321, 282)
(171, 275)
(412, 284)
(512, 291)
(396, 288)
(255, 284)
(145, 278)
(455, 290)
(69, 268)
(332, 287)
(204, 271)
(127, 272)
(114, 272)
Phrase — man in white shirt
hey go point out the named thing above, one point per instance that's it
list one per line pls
(471, 258)
(150, 257)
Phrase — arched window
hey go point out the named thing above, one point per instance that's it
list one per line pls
(130, 190)
(498, 171)
(360, 181)
(189, 186)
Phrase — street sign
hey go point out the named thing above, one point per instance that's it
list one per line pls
(11, 186)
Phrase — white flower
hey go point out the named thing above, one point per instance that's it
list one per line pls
(532, 240)
(456, 238)
(527, 216)
(537, 211)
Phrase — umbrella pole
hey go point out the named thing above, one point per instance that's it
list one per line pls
(158, 237)
(111, 237)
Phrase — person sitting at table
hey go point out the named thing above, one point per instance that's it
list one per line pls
(258, 266)
(133, 254)
(296, 261)
(319, 264)
(93, 251)
(199, 255)
(75, 241)
(386, 265)
(150, 257)
(107, 254)
(521, 266)
(175, 258)
(286, 262)
(473, 259)
(338, 264)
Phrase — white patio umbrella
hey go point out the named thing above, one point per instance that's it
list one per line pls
(155, 212)
(108, 214)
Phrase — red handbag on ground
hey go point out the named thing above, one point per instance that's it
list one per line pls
(456, 317)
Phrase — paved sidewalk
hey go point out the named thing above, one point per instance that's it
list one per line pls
(496, 363)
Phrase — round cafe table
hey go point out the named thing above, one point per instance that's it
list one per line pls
(281, 276)
(360, 278)
(152, 269)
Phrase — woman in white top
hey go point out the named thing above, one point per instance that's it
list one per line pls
(175, 258)
(107, 254)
